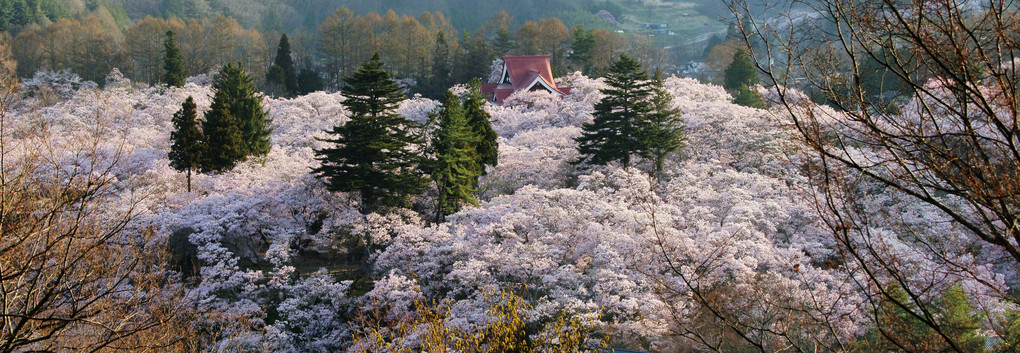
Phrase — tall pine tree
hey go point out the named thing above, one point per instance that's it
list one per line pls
(456, 166)
(439, 77)
(474, 59)
(740, 79)
(580, 50)
(665, 128)
(188, 142)
(224, 144)
(371, 153)
(748, 97)
(503, 42)
(236, 90)
(486, 146)
(174, 69)
(309, 81)
(741, 72)
(1010, 340)
(274, 82)
(286, 75)
(619, 129)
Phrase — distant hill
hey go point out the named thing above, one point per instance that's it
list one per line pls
(289, 15)
(292, 15)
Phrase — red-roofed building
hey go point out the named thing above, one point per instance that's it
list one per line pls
(523, 73)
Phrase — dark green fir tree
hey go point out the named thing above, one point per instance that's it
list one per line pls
(19, 13)
(174, 69)
(371, 153)
(960, 321)
(619, 129)
(187, 141)
(439, 77)
(286, 75)
(274, 81)
(455, 169)
(224, 144)
(665, 127)
(309, 81)
(480, 123)
(748, 97)
(581, 50)
(503, 42)
(741, 72)
(1011, 338)
(236, 90)
(475, 59)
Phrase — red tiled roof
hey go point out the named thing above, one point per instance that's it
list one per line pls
(502, 95)
(523, 72)
(520, 67)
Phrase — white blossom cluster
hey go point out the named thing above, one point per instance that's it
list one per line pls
(733, 216)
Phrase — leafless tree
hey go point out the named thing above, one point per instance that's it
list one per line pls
(925, 111)
(75, 273)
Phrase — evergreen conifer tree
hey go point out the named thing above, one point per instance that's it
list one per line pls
(960, 321)
(748, 97)
(619, 129)
(371, 151)
(486, 145)
(19, 13)
(741, 72)
(286, 65)
(580, 50)
(475, 58)
(439, 78)
(503, 42)
(274, 81)
(1011, 339)
(236, 90)
(309, 81)
(175, 70)
(898, 327)
(665, 129)
(224, 144)
(456, 167)
(188, 142)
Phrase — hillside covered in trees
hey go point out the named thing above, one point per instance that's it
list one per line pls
(195, 203)
(92, 37)
(289, 16)
(425, 51)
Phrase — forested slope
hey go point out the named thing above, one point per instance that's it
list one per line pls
(282, 15)
(728, 236)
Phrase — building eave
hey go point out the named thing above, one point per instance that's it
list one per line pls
(539, 79)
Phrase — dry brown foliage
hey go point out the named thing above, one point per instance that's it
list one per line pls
(75, 273)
